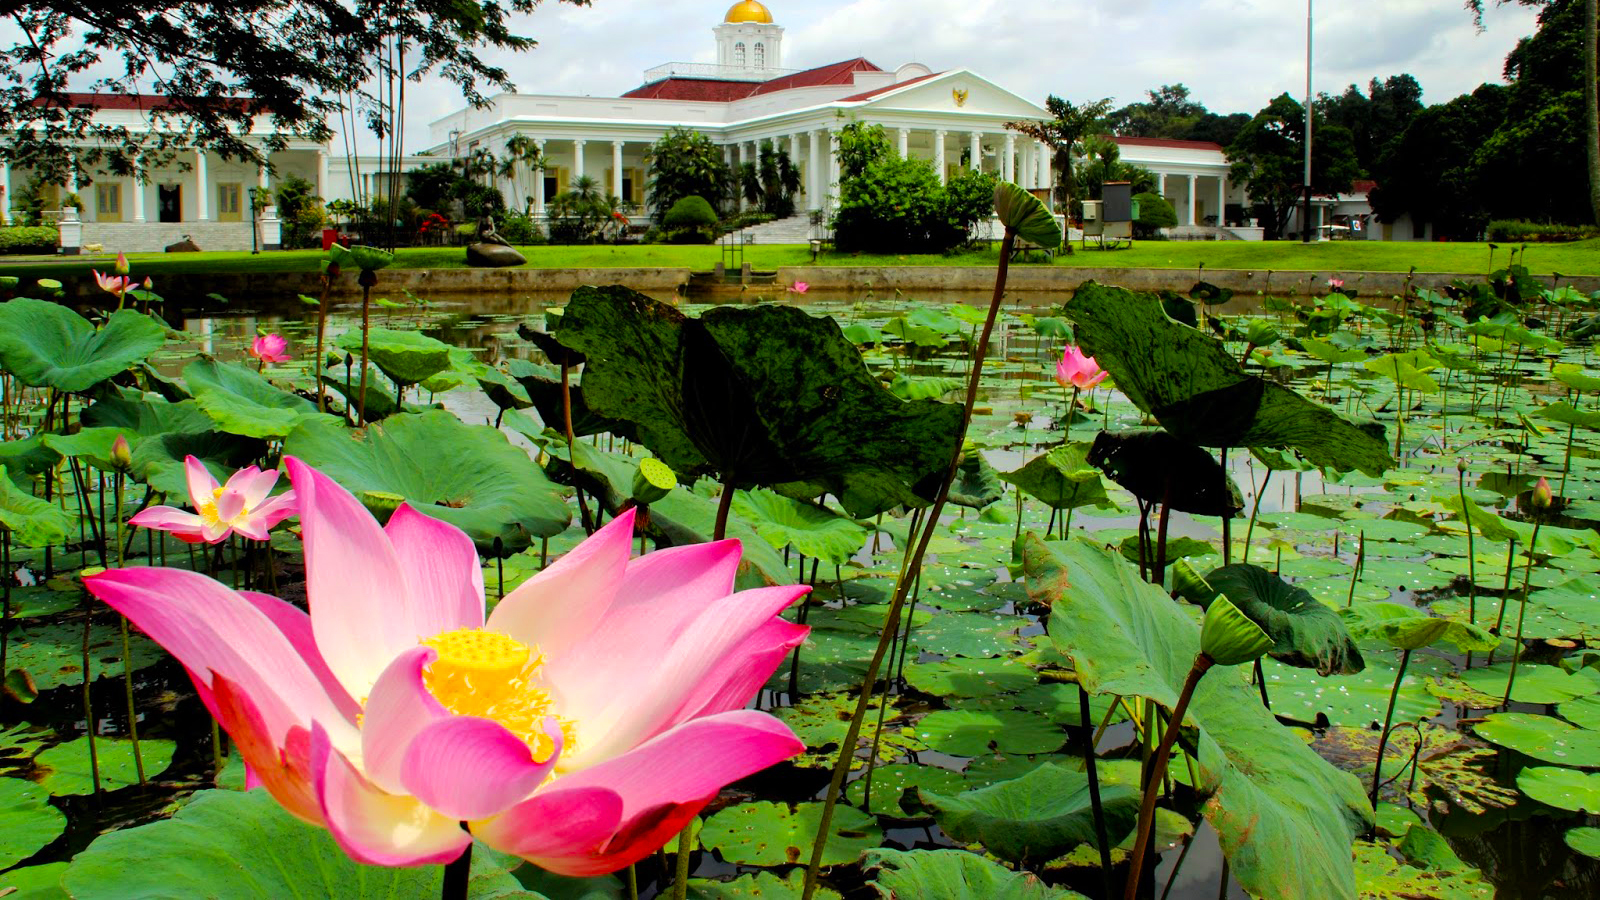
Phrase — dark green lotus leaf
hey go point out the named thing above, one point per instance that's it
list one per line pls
(1026, 215)
(145, 415)
(814, 531)
(29, 457)
(47, 345)
(380, 403)
(976, 732)
(1567, 414)
(27, 821)
(52, 655)
(406, 357)
(91, 446)
(543, 386)
(953, 875)
(242, 402)
(775, 834)
(977, 484)
(890, 783)
(501, 389)
(762, 396)
(243, 844)
(31, 521)
(1062, 479)
(159, 461)
(1285, 817)
(1210, 294)
(1305, 633)
(908, 387)
(1040, 816)
(1198, 391)
(467, 475)
(1157, 467)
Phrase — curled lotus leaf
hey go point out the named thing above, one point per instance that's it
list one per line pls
(1026, 215)
(1228, 636)
(1305, 632)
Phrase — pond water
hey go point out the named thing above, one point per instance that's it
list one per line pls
(1349, 541)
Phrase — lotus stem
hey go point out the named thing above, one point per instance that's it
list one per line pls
(457, 874)
(366, 326)
(1522, 611)
(127, 650)
(724, 505)
(1255, 508)
(322, 329)
(1102, 840)
(1161, 535)
(1383, 737)
(1355, 573)
(5, 596)
(1505, 591)
(841, 767)
(680, 880)
(566, 420)
(1147, 808)
(1472, 562)
(88, 699)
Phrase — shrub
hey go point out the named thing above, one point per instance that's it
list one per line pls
(29, 239)
(691, 220)
(1518, 231)
(519, 229)
(1155, 213)
(898, 206)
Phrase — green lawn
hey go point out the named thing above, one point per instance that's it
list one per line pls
(1582, 258)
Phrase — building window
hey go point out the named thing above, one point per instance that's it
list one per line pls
(738, 54)
(761, 56)
(228, 205)
(108, 202)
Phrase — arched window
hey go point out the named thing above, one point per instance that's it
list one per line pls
(761, 56)
(738, 54)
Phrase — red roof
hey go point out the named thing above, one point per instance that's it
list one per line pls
(1362, 186)
(715, 91)
(868, 95)
(1166, 142)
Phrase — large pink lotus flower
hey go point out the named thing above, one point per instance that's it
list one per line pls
(1077, 370)
(585, 721)
(243, 506)
(270, 348)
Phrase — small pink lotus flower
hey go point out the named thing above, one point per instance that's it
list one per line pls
(243, 506)
(799, 287)
(1077, 370)
(1336, 283)
(117, 285)
(584, 722)
(269, 348)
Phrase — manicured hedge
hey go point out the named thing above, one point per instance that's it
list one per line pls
(41, 239)
(1513, 231)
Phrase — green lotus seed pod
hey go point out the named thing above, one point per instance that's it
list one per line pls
(654, 480)
(1229, 637)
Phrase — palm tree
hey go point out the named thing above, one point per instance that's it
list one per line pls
(522, 153)
(1064, 134)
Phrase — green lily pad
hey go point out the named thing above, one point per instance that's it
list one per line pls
(242, 402)
(962, 677)
(954, 875)
(64, 768)
(969, 732)
(27, 821)
(1534, 684)
(1380, 876)
(1544, 738)
(1562, 788)
(814, 531)
(1037, 817)
(969, 634)
(42, 882)
(756, 886)
(243, 844)
(467, 475)
(1583, 840)
(775, 834)
(48, 345)
(889, 784)
(1062, 479)
(1359, 699)
(1584, 713)
(52, 654)
(406, 357)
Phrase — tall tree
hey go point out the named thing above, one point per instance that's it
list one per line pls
(1590, 85)
(1064, 135)
(216, 65)
(685, 163)
(1268, 158)
(1376, 117)
(1169, 112)
(1431, 170)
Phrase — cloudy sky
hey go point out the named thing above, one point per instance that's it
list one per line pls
(1234, 55)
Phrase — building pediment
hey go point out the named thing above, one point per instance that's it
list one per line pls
(955, 91)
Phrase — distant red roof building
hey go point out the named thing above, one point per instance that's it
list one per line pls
(709, 90)
(1362, 186)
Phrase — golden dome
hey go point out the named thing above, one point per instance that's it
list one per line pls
(748, 11)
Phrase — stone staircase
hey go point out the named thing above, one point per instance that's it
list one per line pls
(796, 229)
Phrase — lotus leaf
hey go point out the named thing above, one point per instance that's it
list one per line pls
(467, 475)
(64, 768)
(774, 834)
(1584, 713)
(406, 357)
(1037, 817)
(1562, 788)
(977, 484)
(814, 531)
(1189, 382)
(41, 882)
(242, 402)
(1357, 700)
(973, 635)
(27, 821)
(1534, 683)
(954, 875)
(1408, 370)
(757, 886)
(1026, 215)
(1229, 637)
(52, 655)
(159, 461)
(1583, 840)
(147, 415)
(31, 521)
(969, 677)
(29, 457)
(763, 396)
(890, 783)
(1304, 631)
(199, 852)
(973, 732)
(47, 345)
(1062, 479)
(1285, 817)
(1157, 467)
(1544, 738)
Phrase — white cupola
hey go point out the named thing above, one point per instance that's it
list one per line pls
(748, 40)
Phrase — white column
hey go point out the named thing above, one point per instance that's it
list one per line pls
(1190, 201)
(1008, 169)
(202, 179)
(138, 191)
(977, 152)
(738, 176)
(938, 152)
(905, 142)
(1161, 184)
(1041, 154)
(577, 160)
(72, 179)
(1027, 170)
(322, 174)
(794, 154)
(1222, 200)
(814, 190)
(616, 168)
(538, 181)
(833, 164)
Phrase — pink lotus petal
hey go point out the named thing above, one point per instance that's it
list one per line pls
(556, 826)
(276, 509)
(252, 528)
(400, 706)
(168, 518)
(705, 651)
(360, 609)
(210, 628)
(562, 603)
(296, 626)
(285, 771)
(749, 664)
(255, 484)
(202, 485)
(663, 784)
(376, 827)
(230, 503)
(659, 596)
(441, 570)
(471, 768)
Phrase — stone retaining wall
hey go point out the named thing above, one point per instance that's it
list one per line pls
(153, 237)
